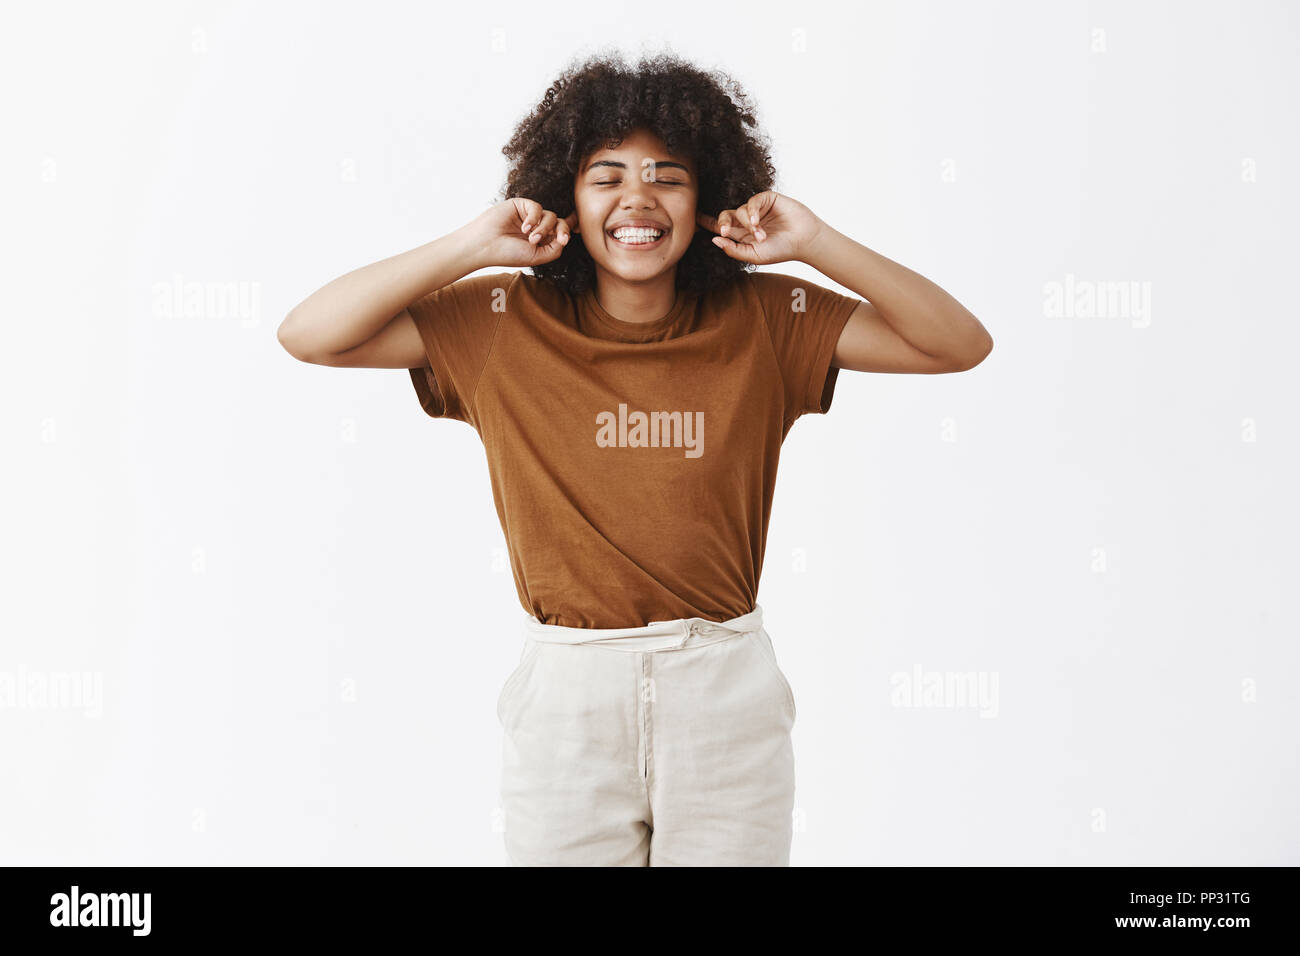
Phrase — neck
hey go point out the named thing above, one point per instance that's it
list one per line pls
(636, 301)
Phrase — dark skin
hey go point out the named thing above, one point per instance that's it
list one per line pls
(906, 323)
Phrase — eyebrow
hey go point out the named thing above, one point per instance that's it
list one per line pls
(658, 164)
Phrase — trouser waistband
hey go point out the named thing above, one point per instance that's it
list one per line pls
(655, 636)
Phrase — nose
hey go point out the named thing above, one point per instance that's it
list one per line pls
(636, 194)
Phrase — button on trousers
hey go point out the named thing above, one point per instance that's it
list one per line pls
(662, 745)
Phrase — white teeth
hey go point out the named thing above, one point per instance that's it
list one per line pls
(634, 234)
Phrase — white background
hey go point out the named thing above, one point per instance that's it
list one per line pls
(290, 582)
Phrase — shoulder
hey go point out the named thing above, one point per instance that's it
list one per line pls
(467, 293)
(491, 281)
(504, 291)
(776, 283)
(770, 284)
(770, 292)
(782, 294)
(744, 285)
(749, 292)
(539, 289)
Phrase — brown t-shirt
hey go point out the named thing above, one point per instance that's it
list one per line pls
(632, 464)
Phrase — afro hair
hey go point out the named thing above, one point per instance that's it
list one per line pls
(703, 115)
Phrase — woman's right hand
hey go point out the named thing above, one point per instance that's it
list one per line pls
(519, 232)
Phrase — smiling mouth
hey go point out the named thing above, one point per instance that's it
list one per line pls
(638, 238)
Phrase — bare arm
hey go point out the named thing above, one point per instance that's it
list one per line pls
(907, 324)
(359, 320)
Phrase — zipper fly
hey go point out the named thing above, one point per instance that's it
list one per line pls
(645, 712)
(642, 688)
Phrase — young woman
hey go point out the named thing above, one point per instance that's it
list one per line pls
(632, 395)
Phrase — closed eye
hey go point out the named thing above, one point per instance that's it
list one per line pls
(662, 182)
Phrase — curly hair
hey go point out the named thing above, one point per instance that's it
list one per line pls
(699, 114)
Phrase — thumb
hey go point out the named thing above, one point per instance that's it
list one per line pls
(734, 249)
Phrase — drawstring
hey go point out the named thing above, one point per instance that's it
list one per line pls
(672, 634)
(697, 627)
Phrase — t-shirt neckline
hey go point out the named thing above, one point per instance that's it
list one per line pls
(635, 330)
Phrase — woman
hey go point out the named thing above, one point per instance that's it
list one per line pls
(632, 395)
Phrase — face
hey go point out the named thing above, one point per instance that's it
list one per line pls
(636, 181)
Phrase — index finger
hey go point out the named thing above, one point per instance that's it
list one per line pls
(532, 213)
(708, 222)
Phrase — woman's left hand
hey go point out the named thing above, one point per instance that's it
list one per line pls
(768, 228)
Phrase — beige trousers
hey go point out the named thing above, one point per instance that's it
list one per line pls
(662, 745)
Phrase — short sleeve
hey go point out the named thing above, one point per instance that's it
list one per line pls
(458, 324)
(805, 321)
